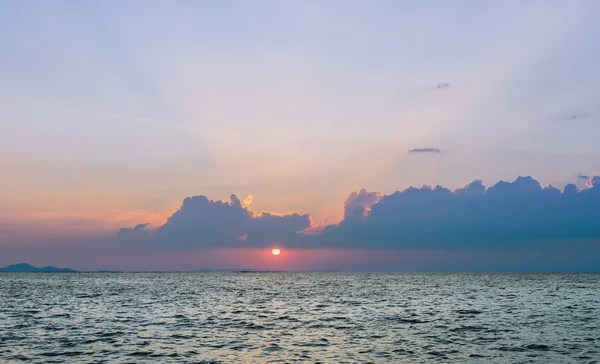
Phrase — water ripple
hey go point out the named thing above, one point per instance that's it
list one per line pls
(295, 317)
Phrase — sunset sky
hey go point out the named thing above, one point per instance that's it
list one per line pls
(113, 113)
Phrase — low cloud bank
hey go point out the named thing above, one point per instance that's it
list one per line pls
(204, 223)
(508, 215)
(517, 214)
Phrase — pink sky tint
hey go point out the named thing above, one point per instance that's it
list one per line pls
(91, 257)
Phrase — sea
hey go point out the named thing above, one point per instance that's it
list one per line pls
(299, 318)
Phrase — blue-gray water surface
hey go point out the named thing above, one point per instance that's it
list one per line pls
(299, 317)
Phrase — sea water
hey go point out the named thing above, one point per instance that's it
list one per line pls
(299, 317)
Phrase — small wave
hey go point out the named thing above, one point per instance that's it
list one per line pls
(140, 353)
(409, 320)
(469, 312)
(288, 318)
(530, 347)
(402, 351)
(20, 326)
(89, 295)
(511, 348)
(164, 355)
(52, 328)
(333, 318)
(181, 336)
(21, 357)
(478, 356)
(60, 315)
(273, 347)
(468, 328)
(62, 353)
(90, 341)
(537, 347)
(313, 344)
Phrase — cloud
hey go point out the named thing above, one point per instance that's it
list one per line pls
(424, 150)
(577, 116)
(521, 214)
(358, 204)
(202, 223)
(247, 201)
(136, 231)
(583, 176)
(474, 188)
(442, 85)
(515, 214)
(594, 182)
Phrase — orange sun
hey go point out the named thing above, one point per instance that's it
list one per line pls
(276, 251)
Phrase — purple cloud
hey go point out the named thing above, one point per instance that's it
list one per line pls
(424, 150)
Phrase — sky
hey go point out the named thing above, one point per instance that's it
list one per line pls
(119, 114)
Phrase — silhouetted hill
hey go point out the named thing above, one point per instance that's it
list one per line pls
(28, 268)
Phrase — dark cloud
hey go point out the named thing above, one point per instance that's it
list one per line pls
(518, 215)
(577, 116)
(136, 231)
(508, 215)
(583, 176)
(201, 223)
(424, 150)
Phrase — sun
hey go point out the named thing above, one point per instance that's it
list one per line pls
(276, 251)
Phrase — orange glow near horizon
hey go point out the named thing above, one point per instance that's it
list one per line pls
(276, 251)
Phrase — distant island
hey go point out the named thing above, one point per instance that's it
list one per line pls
(28, 268)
